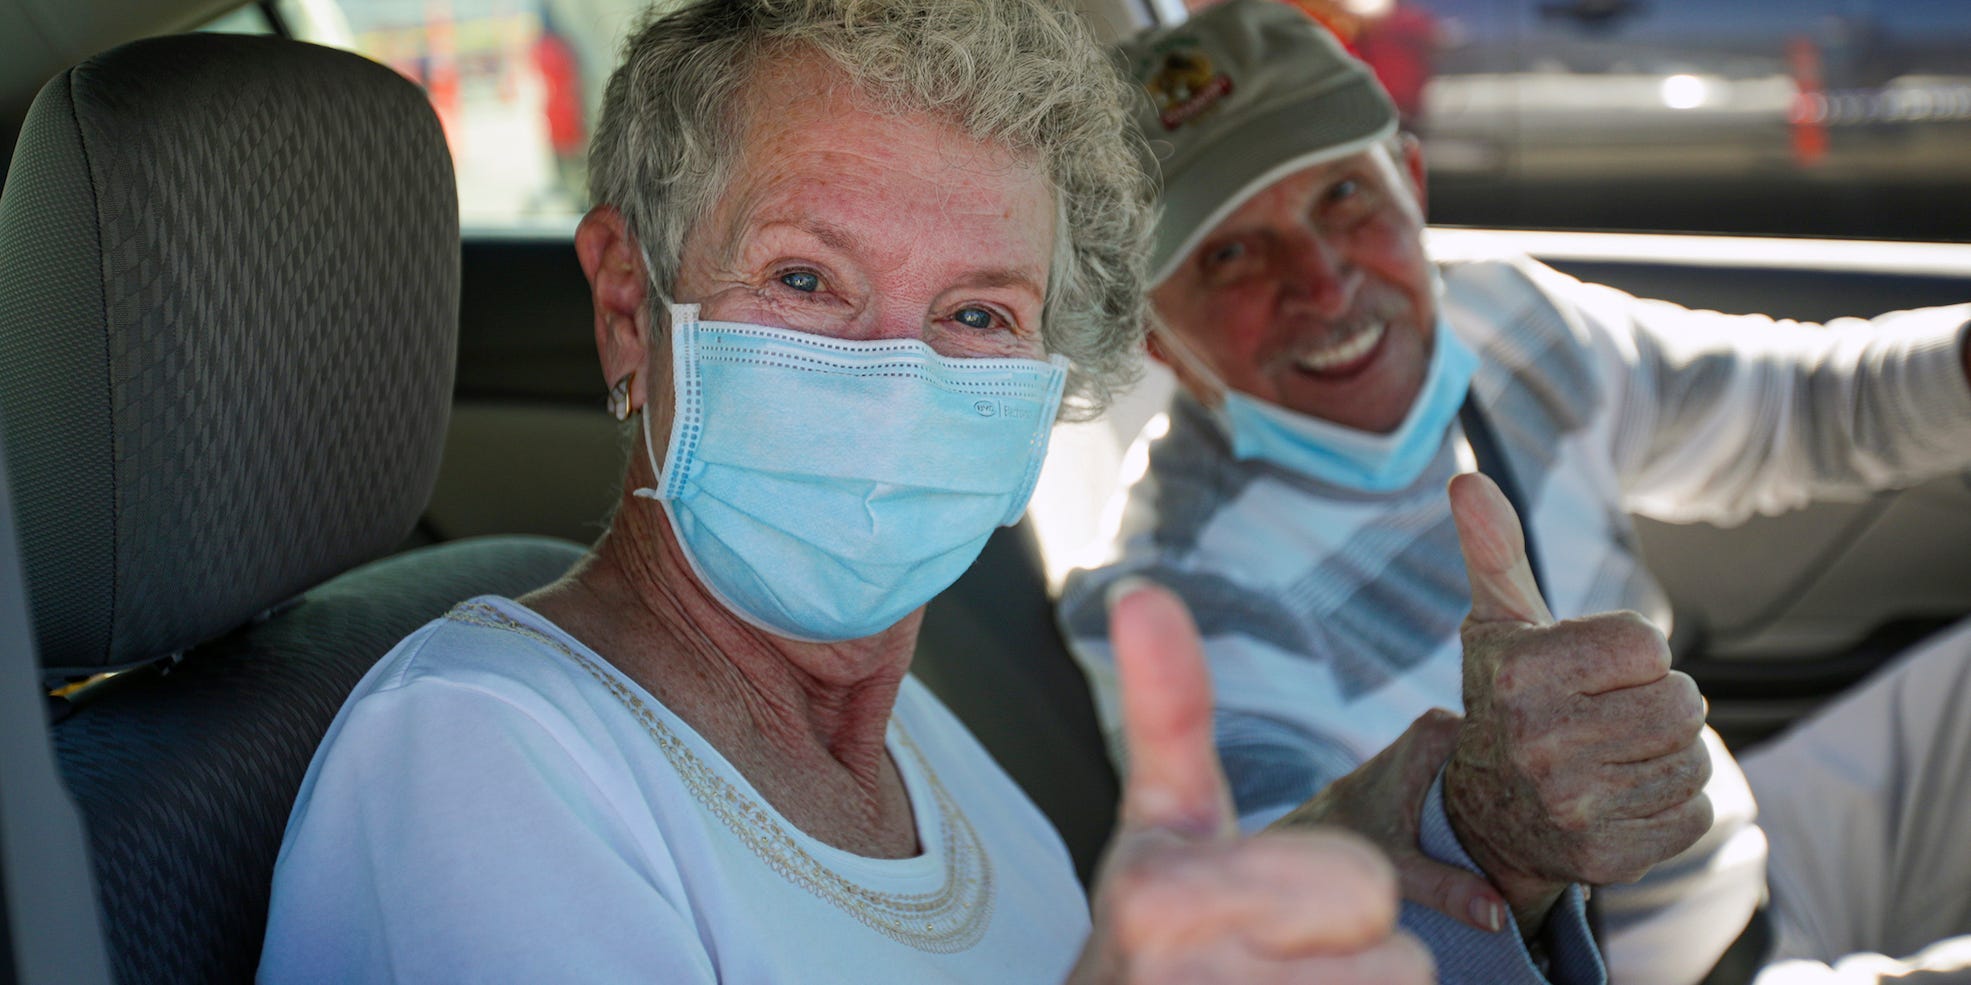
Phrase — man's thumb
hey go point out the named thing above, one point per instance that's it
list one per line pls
(1174, 780)
(1502, 585)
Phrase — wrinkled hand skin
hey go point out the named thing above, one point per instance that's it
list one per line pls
(1382, 800)
(1579, 760)
(1181, 897)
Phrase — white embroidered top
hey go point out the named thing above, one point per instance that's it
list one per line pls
(496, 803)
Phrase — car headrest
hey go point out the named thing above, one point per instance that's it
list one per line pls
(229, 274)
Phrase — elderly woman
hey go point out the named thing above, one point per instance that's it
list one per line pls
(852, 257)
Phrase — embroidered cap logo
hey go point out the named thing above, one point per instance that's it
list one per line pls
(1183, 85)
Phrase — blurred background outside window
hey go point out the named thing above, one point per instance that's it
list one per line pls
(1794, 117)
(1846, 118)
(516, 84)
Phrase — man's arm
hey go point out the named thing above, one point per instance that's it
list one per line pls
(1723, 416)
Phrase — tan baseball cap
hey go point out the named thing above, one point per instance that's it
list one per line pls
(1236, 98)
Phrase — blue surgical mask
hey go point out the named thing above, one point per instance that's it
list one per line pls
(1348, 457)
(823, 488)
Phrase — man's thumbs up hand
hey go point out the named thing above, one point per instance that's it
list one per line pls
(1501, 575)
(1580, 759)
(1181, 897)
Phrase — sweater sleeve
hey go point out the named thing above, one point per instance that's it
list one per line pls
(1468, 955)
(1724, 416)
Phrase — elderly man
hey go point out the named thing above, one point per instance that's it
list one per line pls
(1333, 379)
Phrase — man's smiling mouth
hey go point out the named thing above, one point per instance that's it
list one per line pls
(1346, 354)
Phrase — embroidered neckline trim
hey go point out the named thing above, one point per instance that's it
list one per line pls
(951, 919)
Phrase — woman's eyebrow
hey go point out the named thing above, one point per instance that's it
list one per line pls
(843, 240)
(1005, 277)
(829, 234)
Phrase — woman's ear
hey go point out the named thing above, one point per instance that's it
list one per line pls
(619, 287)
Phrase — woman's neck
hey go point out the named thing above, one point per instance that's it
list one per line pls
(804, 722)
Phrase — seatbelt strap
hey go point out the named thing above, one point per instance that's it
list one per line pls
(1491, 461)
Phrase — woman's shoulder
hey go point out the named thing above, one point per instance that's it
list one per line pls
(497, 695)
(488, 642)
(490, 660)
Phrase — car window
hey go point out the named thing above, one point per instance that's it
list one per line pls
(250, 19)
(516, 84)
(1843, 118)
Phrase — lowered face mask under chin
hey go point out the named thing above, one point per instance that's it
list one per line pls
(822, 488)
(1342, 456)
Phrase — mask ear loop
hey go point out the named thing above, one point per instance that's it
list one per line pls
(650, 452)
(683, 385)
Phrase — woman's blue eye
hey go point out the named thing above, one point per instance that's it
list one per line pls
(978, 318)
(805, 281)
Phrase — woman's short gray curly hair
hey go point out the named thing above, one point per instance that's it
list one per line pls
(1021, 74)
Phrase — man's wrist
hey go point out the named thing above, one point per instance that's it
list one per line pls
(1531, 896)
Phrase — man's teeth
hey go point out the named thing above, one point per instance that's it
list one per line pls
(1344, 352)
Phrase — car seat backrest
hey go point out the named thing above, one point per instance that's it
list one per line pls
(228, 318)
(208, 240)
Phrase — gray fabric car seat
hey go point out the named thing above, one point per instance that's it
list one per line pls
(228, 316)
